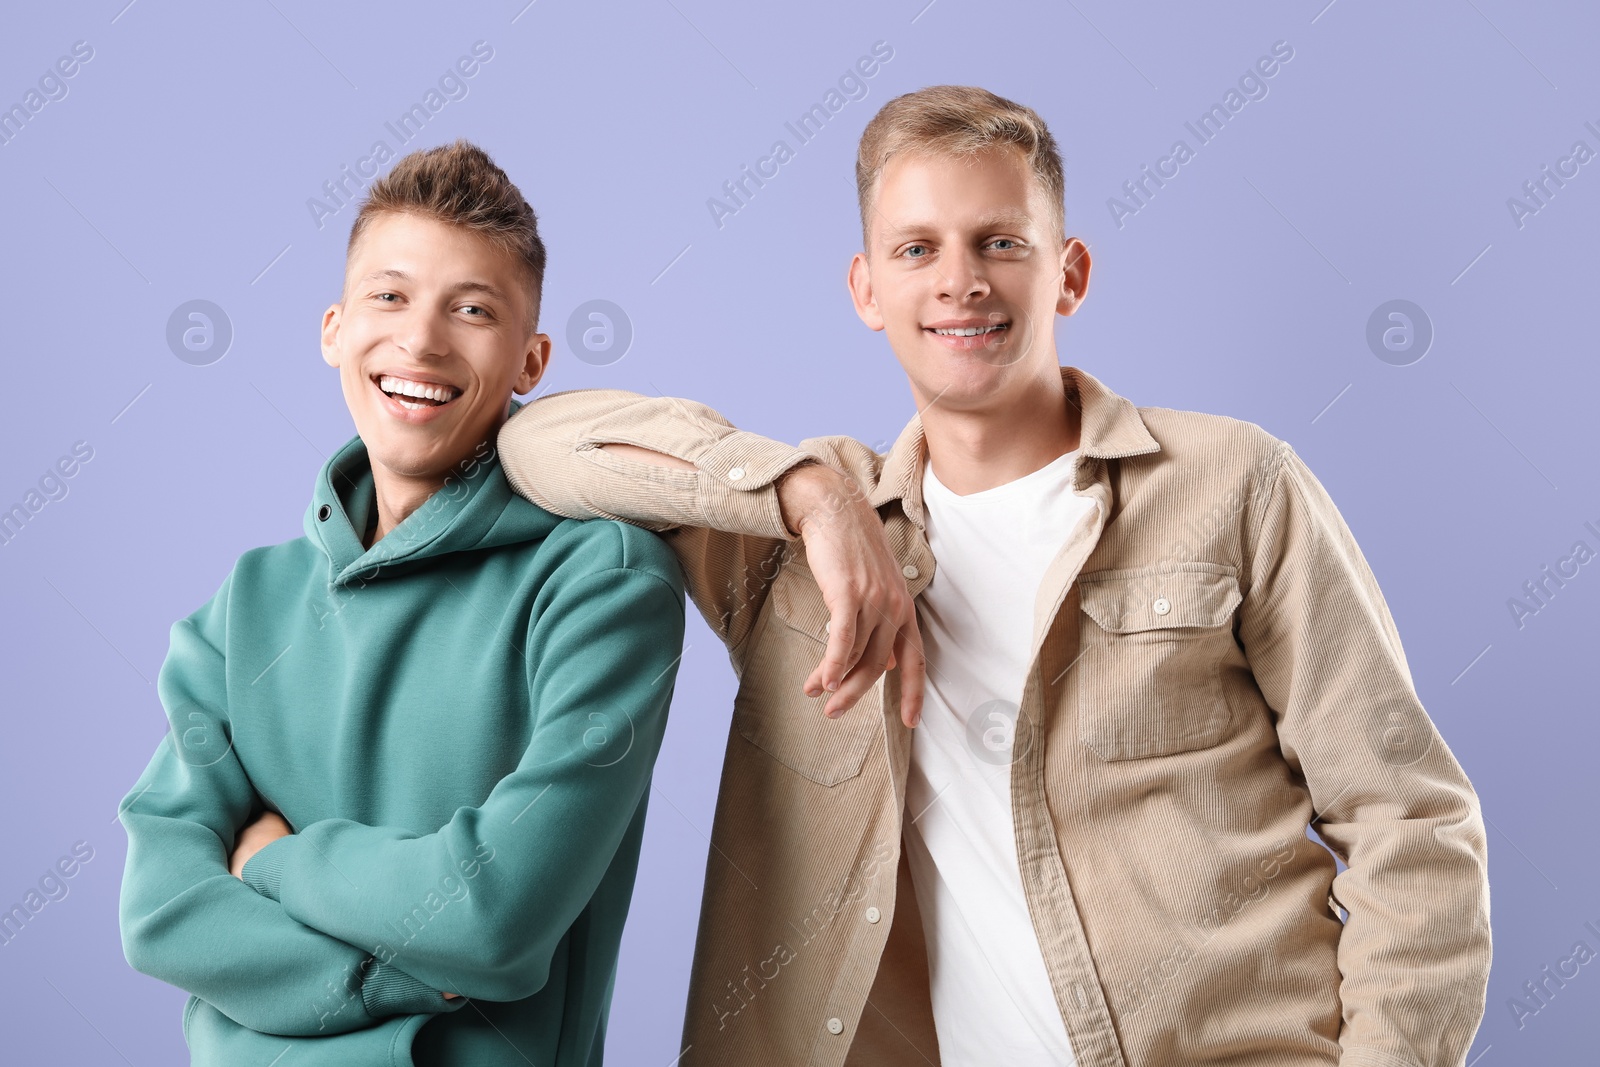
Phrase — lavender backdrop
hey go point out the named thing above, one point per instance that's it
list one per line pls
(1425, 152)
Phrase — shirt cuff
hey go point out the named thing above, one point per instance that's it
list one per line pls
(739, 496)
(387, 990)
(263, 872)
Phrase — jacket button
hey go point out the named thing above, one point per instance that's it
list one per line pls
(323, 512)
(1162, 605)
(835, 1026)
(736, 473)
(873, 915)
(909, 570)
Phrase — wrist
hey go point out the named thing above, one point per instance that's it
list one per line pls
(807, 490)
(263, 871)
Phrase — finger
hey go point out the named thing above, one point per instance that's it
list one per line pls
(813, 683)
(913, 673)
(867, 623)
(866, 673)
(837, 658)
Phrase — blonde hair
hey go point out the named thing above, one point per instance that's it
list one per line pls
(460, 185)
(957, 120)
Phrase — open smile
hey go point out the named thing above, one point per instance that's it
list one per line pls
(413, 399)
(968, 334)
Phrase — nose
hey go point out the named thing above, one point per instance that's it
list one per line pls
(420, 334)
(962, 276)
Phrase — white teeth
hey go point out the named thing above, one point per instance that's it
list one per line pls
(406, 387)
(970, 331)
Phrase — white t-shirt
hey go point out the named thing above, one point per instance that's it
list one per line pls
(992, 1001)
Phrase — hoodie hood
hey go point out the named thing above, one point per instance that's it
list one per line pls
(475, 509)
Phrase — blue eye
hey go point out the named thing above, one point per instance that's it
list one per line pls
(912, 249)
(1003, 241)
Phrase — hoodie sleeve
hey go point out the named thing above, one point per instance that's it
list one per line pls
(186, 920)
(602, 659)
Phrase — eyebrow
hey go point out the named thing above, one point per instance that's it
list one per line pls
(1003, 220)
(487, 288)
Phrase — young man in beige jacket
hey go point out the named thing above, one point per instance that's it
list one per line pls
(1141, 651)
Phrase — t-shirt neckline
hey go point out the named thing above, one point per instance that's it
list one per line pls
(1020, 484)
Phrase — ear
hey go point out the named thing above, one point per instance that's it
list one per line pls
(1074, 276)
(860, 283)
(534, 363)
(330, 334)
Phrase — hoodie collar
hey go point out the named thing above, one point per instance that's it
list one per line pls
(1110, 427)
(474, 509)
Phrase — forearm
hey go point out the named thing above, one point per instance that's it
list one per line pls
(479, 906)
(560, 452)
(668, 465)
(186, 921)
(808, 490)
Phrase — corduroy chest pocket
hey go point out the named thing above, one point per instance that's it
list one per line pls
(1153, 648)
(773, 713)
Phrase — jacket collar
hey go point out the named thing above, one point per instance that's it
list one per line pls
(1110, 428)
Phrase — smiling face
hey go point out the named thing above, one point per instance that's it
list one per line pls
(965, 272)
(430, 339)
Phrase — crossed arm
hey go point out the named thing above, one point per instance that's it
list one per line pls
(873, 626)
(263, 949)
(186, 922)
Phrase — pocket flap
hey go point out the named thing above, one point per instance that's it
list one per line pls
(798, 602)
(1125, 602)
(772, 712)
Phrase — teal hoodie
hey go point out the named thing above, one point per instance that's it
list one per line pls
(459, 724)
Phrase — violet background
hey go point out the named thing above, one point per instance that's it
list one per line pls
(1379, 165)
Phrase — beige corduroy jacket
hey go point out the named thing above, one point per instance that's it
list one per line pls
(1213, 669)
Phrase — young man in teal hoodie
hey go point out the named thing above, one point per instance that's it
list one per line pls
(453, 697)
